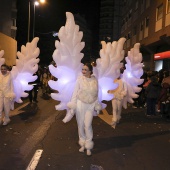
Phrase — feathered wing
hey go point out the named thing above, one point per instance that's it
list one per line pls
(26, 66)
(132, 73)
(108, 67)
(2, 60)
(67, 56)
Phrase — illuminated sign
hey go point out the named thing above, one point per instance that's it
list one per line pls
(163, 55)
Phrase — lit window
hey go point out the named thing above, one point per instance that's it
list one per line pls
(160, 12)
(168, 6)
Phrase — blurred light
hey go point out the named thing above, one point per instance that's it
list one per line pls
(129, 74)
(42, 1)
(36, 3)
(55, 34)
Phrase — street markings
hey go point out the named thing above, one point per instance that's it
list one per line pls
(106, 117)
(18, 110)
(34, 161)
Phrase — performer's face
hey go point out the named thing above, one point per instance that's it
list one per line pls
(86, 72)
(3, 70)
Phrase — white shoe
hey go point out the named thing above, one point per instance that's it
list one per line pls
(81, 149)
(6, 122)
(88, 152)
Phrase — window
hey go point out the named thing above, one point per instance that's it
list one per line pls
(141, 26)
(130, 14)
(136, 5)
(13, 33)
(168, 6)
(147, 3)
(13, 14)
(134, 30)
(129, 35)
(146, 21)
(160, 12)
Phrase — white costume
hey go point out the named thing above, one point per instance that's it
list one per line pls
(119, 93)
(84, 102)
(6, 95)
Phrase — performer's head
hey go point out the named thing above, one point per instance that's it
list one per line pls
(87, 70)
(4, 69)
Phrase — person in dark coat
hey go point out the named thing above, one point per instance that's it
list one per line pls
(36, 83)
(152, 94)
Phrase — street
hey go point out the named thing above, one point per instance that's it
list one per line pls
(137, 142)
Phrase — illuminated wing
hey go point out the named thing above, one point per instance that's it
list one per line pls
(108, 67)
(68, 57)
(2, 60)
(26, 66)
(132, 73)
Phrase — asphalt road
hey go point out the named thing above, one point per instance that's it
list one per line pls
(138, 142)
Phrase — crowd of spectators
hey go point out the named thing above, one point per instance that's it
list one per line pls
(155, 93)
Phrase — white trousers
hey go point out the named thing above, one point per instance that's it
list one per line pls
(5, 105)
(84, 116)
(117, 109)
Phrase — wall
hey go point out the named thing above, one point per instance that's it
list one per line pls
(9, 45)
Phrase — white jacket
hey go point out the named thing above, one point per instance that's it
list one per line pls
(86, 90)
(6, 86)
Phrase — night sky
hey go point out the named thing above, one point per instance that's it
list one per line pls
(50, 17)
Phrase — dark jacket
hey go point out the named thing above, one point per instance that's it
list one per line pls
(153, 89)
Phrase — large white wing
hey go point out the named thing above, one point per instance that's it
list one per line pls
(108, 67)
(68, 57)
(26, 66)
(2, 60)
(132, 73)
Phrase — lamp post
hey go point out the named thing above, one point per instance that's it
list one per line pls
(29, 6)
(29, 15)
(36, 3)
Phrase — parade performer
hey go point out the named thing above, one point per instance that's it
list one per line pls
(6, 94)
(86, 95)
(84, 102)
(117, 102)
(14, 84)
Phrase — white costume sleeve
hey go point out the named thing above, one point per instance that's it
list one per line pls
(72, 103)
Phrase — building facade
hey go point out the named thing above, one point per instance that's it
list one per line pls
(8, 13)
(148, 22)
(110, 20)
(140, 21)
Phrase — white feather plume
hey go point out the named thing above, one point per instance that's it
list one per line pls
(132, 74)
(26, 66)
(68, 57)
(108, 67)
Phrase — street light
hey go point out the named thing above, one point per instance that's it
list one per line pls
(36, 3)
(29, 15)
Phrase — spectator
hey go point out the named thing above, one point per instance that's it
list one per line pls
(34, 92)
(152, 94)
